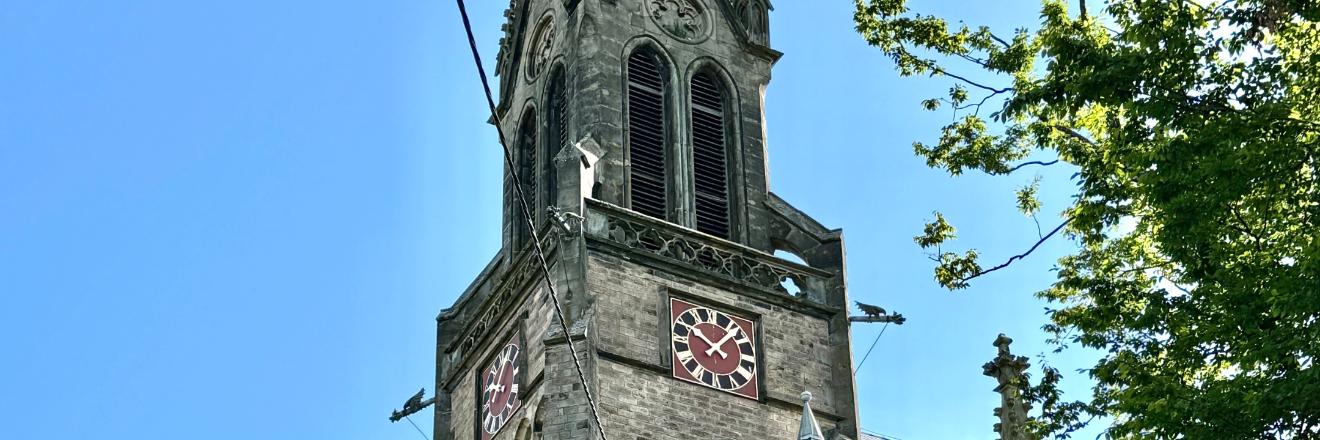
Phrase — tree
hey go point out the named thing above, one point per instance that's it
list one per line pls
(1193, 127)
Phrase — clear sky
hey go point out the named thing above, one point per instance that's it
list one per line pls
(238, 220)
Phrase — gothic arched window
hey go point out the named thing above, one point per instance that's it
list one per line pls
(647, 137)
(710, 141)
(557, 123)
(526, 162)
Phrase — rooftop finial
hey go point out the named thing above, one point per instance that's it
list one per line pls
(1008, 370)
(808, 430)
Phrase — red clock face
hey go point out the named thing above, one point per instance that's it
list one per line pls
(499, 391)
(713, 348)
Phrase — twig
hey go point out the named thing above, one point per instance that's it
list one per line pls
(1021, 255)
(1246, 229)
(978, 105)
(902, 51)
(975, 60)
(940, 70)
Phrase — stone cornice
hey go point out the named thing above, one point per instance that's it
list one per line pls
(479, 325)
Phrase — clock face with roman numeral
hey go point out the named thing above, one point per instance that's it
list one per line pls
(499, 390)
(714, 348)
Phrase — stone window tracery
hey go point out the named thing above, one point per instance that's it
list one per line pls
(540, 48)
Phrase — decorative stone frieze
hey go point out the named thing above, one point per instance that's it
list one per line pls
(711, 255)
(523, 271)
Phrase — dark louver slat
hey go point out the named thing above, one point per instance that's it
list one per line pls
(646, 135)
(558, 130)
(526, 174)
(710, 165)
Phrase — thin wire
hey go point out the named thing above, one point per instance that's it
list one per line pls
(527, 217)
(868, 351)
(882, 436)
(419, 430)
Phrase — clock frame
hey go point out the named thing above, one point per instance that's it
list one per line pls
(499, 387)
(714, 348)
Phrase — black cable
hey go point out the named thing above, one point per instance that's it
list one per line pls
(868, 351)
(881, 436)
(527, 217)
(419, 430)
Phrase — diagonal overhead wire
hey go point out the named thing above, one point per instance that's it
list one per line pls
(868, 351)
(419, 430)
(526, 212)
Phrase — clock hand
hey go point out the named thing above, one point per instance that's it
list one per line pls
(728, 334)
(697, 331)
(499, 376)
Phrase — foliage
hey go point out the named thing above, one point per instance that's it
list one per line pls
(1194, 131)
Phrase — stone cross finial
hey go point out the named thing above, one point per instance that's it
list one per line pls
(1008, 370)
(808, 430)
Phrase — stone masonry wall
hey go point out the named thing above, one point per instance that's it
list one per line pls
(461, 389)
(643, 404)
(640, 398)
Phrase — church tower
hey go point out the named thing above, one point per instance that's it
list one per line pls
(638, 136)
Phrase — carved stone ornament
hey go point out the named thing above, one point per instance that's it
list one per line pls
(685, 20)
(541, 49)
(504, 59)
(725, 260)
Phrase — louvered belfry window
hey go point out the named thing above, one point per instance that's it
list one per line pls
(526, 174)
(647, 135)
(709, 151)
(558, 125)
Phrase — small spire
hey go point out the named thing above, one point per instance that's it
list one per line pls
(809, 430)
(1008, 370)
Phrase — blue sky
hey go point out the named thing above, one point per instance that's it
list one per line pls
(240, 219)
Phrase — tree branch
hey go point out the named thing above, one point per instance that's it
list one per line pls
(1034, 162)
(1021, 255)
(902, 52)
(940, 70)
(1245, 228)
(1164, 266)
(975, 60)
(976, 106)
(1074, 134)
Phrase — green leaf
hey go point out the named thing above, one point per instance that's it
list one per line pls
(1192, 130)
(935, 233)
(1027, 202)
